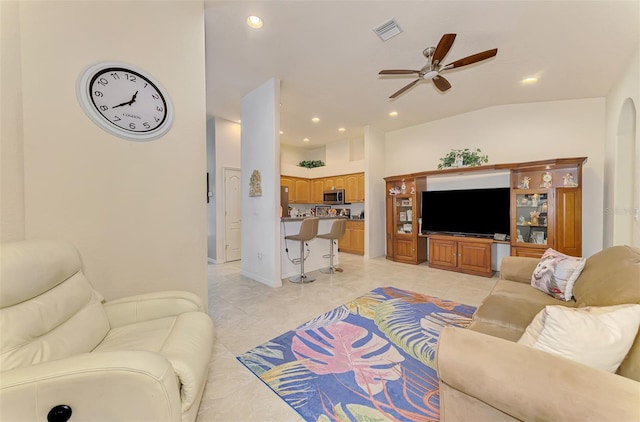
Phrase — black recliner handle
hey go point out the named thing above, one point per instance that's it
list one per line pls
(59, 413)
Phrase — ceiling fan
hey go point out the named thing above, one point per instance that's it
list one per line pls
(433, 67)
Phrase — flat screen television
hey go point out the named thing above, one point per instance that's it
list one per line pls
(477, 212)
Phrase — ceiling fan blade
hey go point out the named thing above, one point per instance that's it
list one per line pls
(443, 47)
(441, 83)
(398, 72)
(405, 88)
(473, 59)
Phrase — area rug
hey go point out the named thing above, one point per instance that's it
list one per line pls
(371, 359)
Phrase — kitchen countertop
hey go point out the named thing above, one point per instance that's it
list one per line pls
(302, 218)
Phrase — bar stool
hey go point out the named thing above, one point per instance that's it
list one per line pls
(337, 231)
(308, 230)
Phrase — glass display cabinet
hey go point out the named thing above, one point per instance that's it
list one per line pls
(532, 226)
(403, 209)
(546, 207)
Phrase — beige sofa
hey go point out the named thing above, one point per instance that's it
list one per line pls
(485, 375)
(64, 351)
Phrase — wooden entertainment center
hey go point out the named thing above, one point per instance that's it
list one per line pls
(545, 212)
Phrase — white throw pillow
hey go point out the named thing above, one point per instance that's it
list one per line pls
(596, 336)
(556, 273)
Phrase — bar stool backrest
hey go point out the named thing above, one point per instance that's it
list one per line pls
(308, 228)
(338, 228)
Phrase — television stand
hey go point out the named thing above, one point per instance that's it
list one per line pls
(469, 255)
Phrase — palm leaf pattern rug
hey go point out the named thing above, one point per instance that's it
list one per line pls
(371, 359)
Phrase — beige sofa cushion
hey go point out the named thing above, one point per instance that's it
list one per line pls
(510, 308)
(610, 277)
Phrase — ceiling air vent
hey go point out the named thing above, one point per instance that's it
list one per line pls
(387, 30)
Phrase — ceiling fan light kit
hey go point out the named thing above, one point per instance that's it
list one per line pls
(433, 68)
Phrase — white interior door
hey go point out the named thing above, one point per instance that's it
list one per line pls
(232, 214)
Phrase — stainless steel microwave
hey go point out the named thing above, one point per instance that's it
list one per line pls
(333, 197)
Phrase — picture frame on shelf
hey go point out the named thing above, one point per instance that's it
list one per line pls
(407, 228)
(403, 216)
(538, 236)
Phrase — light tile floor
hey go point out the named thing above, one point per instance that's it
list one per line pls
(247, 313)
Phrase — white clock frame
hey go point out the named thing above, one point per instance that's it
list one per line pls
(85, 98)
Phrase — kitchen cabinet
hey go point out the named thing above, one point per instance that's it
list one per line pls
(317, 190)
(302, 191)
(467, 255)
(329, 183)
(310, 191)
(403, 210)
(299, 189)
(354, 187)
(291, 184)
(353, 239)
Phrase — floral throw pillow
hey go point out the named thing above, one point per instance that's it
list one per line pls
(556, 273)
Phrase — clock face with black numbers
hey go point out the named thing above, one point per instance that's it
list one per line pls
(125, 101)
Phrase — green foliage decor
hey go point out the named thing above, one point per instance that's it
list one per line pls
(311, 163)
(469, 158)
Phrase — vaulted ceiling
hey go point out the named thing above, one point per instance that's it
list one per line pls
(327, 57)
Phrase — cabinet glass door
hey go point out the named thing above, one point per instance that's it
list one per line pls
(532, 218)
(404, 214)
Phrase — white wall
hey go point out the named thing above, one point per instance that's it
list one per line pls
(627, 88)
(341, 157)
(135, 210)
(11, 134)
(375, 193)
(260, 111)
(515, 133)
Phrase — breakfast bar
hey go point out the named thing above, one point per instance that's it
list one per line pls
(314, 252)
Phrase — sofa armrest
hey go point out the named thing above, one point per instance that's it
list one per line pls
(528, 384)
(114, 386)
(128, 310)
(517, 268)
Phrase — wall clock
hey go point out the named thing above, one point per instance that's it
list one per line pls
(125, 101)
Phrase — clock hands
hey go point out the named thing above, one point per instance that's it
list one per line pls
(133, 100)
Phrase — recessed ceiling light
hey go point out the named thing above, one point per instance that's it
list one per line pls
(341, 129)
(305, 140)
(281, 133)
(315, 119)
(529, 81)
(254, 22)
(393, 114)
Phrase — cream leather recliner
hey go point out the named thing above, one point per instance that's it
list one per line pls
(65, 351)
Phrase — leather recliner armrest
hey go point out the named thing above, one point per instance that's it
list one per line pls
(114, 386)
(530, 384)
(129, 310)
